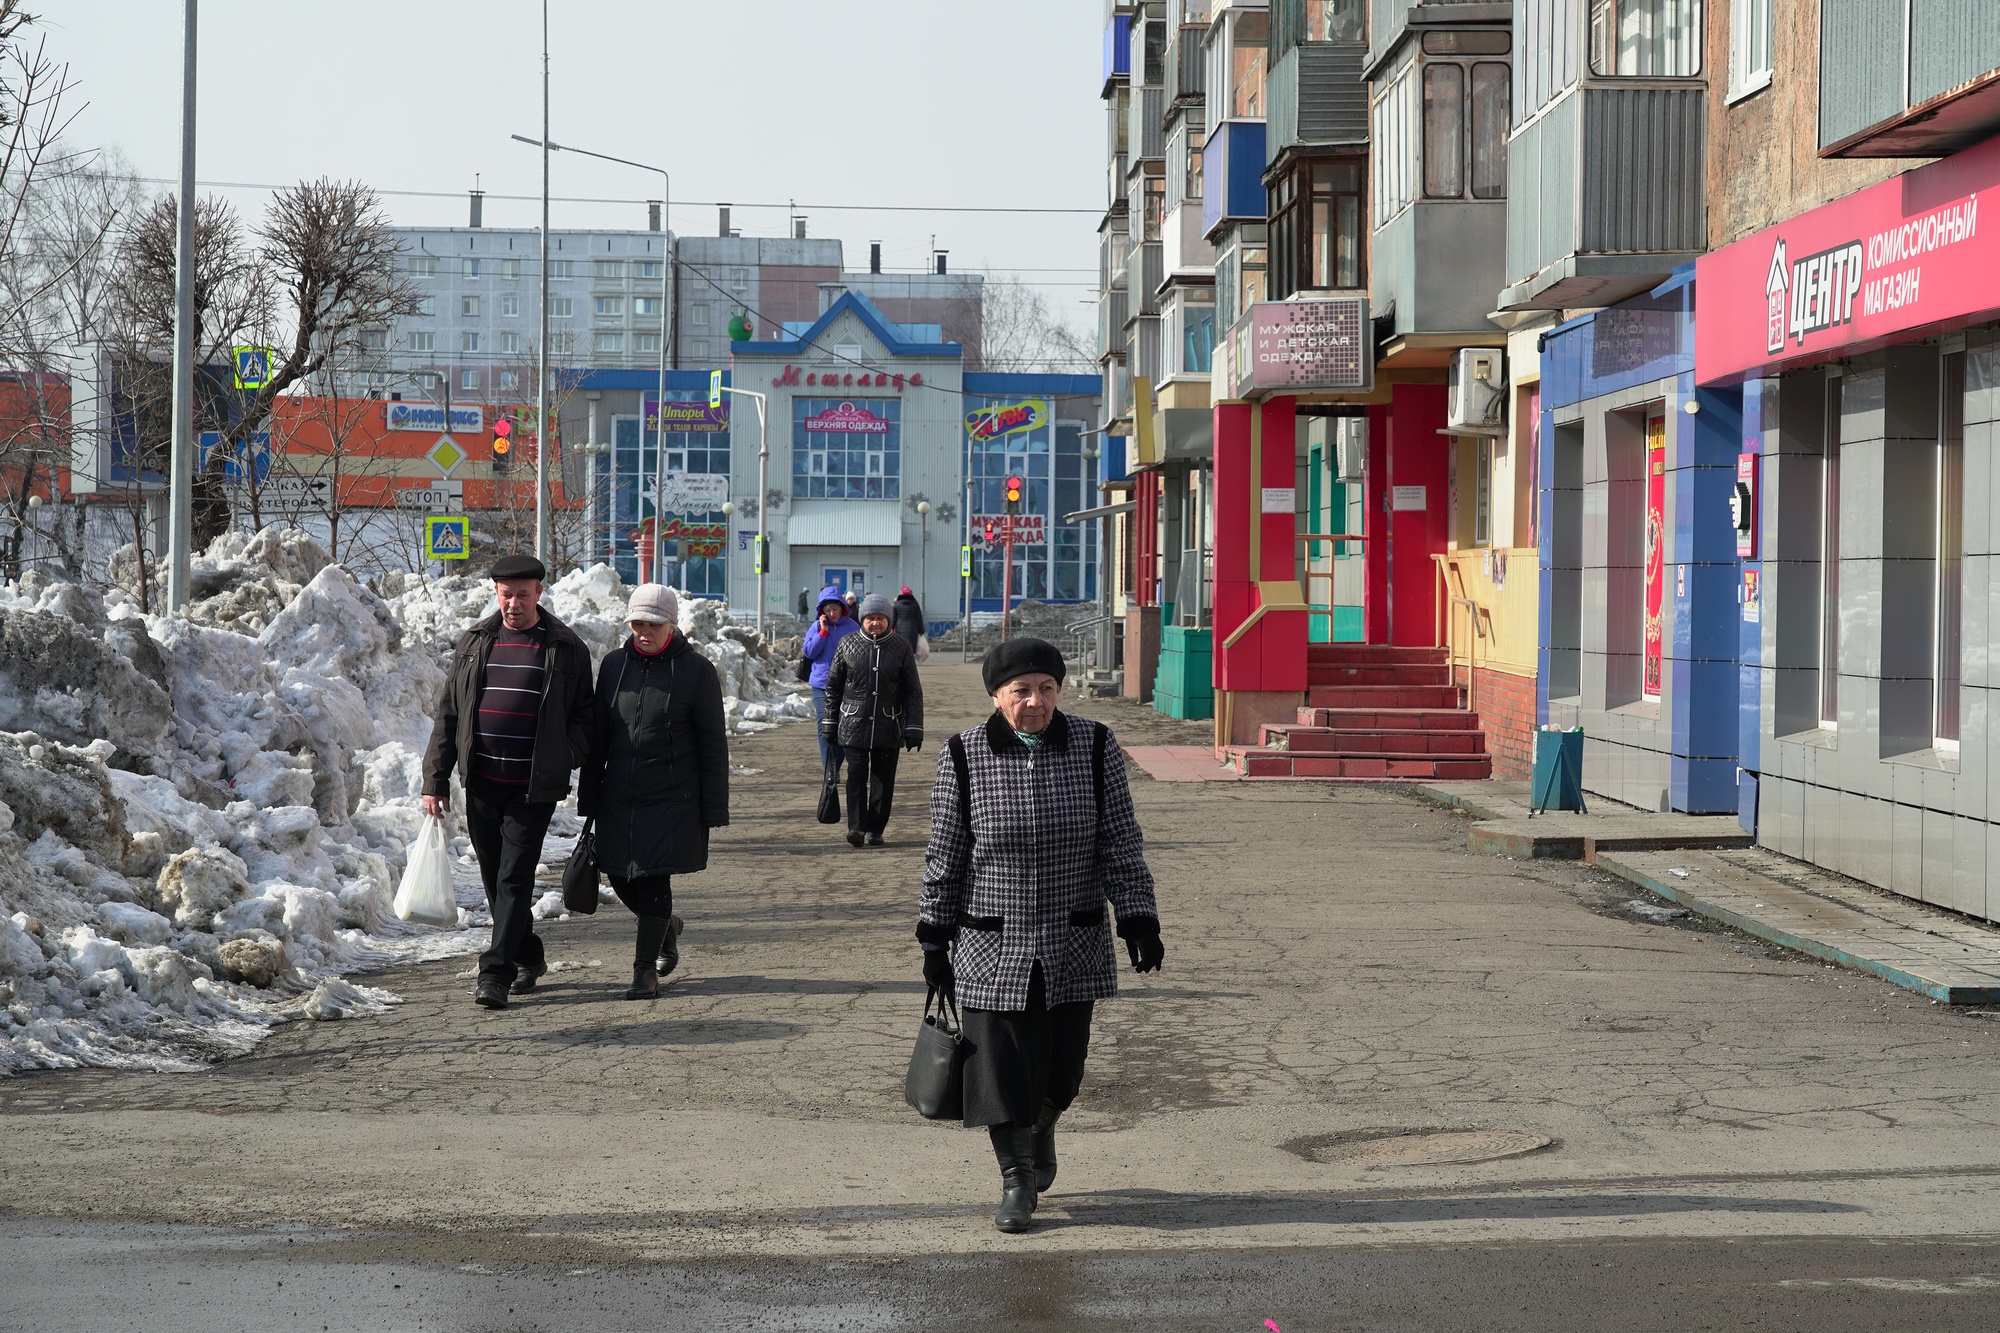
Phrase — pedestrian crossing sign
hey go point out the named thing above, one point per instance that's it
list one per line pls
(447, 537)
(715, 388)
(253, 367)
(965, 562)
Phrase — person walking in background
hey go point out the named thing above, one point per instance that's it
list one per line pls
(874, 708)
(908, 617)
(1032, 828)
(822, 642)
(514, 719)
(658, 776)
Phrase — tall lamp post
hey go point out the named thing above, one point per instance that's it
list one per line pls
(924, 548)
(181, 456)
(548, 146)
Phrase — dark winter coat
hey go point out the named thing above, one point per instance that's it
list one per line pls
(1023, 854)
(562, 726)
(821, 644)
(658, 776)
(875, 692)
(907, 618)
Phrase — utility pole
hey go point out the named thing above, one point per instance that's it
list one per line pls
(542, 368)
(180, 482)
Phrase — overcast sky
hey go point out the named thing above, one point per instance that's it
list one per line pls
(911, 102)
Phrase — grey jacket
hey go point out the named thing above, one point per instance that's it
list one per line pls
(1024, 851)
(874, 692)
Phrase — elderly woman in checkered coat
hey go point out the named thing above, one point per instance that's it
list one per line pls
(1032, 829)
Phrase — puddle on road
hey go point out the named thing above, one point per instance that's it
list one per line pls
(1375, 1149)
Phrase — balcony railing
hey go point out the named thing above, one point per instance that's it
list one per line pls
(1316, 95)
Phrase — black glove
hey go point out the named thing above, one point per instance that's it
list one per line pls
(913, 738)
(938, 973)
(1142, 943)
(829, 730)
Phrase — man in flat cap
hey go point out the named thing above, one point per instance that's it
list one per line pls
(514, 719)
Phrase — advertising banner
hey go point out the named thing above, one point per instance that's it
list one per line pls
(430, 416)
(1656, 549)
(990, 423)
(1305, 345)
(1860, 272)
(1029, 529)
(849, 419)
(690, 417)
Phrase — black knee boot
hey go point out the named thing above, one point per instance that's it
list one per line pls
(1045, 1148)
(1014, 1147)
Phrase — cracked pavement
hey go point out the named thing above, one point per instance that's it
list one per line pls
(1337, 965)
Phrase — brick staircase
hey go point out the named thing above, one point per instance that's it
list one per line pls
(1373, 713)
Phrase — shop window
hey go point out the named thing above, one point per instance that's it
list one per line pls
(847, 449)
(1660, 38)
(1829, 562)
(1948, 657)
(1565, 556)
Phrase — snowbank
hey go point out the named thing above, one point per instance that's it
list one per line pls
(202, 820)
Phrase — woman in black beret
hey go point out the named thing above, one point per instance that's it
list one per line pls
(1032, 829)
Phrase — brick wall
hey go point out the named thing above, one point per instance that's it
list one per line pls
(1506, 707)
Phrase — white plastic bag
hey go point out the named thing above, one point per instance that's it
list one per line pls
(923, 647)
(425, 894)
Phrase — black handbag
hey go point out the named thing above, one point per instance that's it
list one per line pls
(805, 670)
(829, 797)
(579, 877)
(935, 1084)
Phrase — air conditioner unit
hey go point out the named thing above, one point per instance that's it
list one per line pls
(1478, 391)
(1353, 448)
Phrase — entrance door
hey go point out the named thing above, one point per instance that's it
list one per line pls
(847, 579)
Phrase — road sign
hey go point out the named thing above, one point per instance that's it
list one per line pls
(761, 562)
(253, 366)
(965, 562)
(316, 491)
(715, 388)
(439, 497)
(448, 538)
(257, 448)
(446, 455)
(689, 492)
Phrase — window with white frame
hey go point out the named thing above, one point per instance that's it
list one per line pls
(610, 305)
(739, 279)
(646, 305)
(698, 348)
(562, 269)
(471, 268)
(510, 342)
(468, 379)
(427, 305)
(422, 341)
(698, 314)
(561, 307)
(468, 306)
(609, 342)
(1752, 28)
(510, 380)
(1398, 142)
(562, 346)
(510, 306)
(510, 268)
(611, 269)
(375, 340)
(423, 266)
(468, 341)
(649, 268)
(1546, 64)
(646, 342)
(1657, 38)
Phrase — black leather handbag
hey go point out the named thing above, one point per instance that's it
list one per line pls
(829, 797)
(579, 879)
(935, 1083)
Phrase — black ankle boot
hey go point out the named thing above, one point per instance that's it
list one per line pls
(645, 983)
(1045, 1148)
(1014, 1148)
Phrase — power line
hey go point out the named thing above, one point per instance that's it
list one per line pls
(792, 207)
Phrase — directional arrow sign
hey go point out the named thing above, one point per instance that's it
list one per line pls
(300, 490)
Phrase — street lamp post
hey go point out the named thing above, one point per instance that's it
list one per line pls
(666, 305)
(181, 455)
(924, 548)
(763, 491)
(728, 526)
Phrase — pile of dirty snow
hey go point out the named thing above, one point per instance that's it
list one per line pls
(202, 820)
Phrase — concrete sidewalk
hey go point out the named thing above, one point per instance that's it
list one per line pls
(1506, 825)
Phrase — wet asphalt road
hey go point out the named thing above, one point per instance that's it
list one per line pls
(70, 1276)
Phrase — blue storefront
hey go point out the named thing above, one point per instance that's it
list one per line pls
(1035, 427)
(1642, 625)
(621, 404)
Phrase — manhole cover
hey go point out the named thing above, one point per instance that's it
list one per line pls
(1438, 1147)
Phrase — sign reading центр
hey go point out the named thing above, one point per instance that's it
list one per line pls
(1854, 274)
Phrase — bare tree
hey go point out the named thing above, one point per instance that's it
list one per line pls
(1023, 332)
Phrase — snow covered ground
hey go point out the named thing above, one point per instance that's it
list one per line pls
(202, 820)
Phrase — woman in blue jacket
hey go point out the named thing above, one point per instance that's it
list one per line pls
(822, 642)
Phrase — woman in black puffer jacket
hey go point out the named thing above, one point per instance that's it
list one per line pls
(658, 776)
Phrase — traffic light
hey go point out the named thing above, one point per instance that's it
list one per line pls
(503, 444)
(1015, 486)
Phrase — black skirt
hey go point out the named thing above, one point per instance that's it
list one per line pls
(1018, 1059)
(648, 895)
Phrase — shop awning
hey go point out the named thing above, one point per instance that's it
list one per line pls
(1100, 511)
(846, 523)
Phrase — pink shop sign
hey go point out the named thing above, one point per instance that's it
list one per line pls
(1886, 264)
(849, 419)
